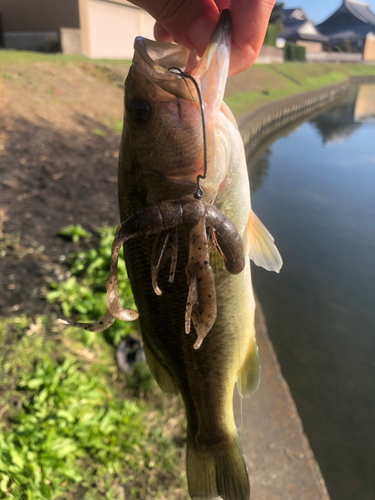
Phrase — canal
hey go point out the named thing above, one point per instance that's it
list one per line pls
(314, 189)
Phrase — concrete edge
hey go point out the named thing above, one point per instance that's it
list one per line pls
(269, 119)
(317, 474)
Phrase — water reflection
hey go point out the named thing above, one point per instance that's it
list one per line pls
(259, 171)
(365, 103)
(347, 116)
(314, 190)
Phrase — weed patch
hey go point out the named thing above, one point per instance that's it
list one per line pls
(74, 232)
(83, 294)
(73, 426)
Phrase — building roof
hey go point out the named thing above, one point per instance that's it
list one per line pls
(352, 20)
(296, 26)
(360, 11)
(293, 19)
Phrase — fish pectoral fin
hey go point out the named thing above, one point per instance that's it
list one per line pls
(163, 378)
(249, 375)
(260, 247)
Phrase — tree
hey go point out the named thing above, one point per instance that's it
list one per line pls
(277, 15)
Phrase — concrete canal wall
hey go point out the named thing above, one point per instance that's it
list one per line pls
(267, 121)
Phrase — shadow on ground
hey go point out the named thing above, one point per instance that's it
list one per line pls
(49, 179)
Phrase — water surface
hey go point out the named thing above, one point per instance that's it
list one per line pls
(315, 191)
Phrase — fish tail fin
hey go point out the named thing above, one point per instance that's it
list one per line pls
(217, 471)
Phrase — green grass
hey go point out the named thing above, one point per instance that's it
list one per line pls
(20, 57)
(295, 78)
(75, 232)
(83, 294)
(289, 78)
(72, 425)
(117, 125)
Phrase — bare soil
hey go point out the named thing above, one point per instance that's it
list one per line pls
(59, 141)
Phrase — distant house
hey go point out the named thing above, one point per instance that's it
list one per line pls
(351, 22)
(299, 29)
(95, 28)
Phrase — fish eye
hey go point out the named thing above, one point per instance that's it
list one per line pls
(138, 110)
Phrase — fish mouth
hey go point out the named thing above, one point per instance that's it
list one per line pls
(160, 56)
(153, 60)
(201, 85)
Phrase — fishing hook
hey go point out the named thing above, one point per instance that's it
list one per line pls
(199, 192)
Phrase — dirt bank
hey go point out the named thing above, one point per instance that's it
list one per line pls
(59, 142)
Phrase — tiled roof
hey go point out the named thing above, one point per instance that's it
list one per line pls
(294, 34)
(293, 20)
(351, 20)
(361, 11)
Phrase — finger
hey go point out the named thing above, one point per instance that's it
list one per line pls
(199, 33)
(161, 34)
(249, 20)
(191, 22)
(223, 4)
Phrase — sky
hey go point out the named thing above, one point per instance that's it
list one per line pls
(319, 10)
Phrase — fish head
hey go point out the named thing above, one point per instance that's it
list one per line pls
(163, 117)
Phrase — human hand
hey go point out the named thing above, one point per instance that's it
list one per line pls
(192, 22)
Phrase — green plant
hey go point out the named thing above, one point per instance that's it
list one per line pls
(117, 125)
(74, 232)
(344, 46)
(73, 429)
(271, 35)
(277, 15)
(83, 294)
(98, 131)
(294, 52)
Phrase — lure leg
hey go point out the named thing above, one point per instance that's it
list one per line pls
(201, 302)
(165, 247)
(98, 326)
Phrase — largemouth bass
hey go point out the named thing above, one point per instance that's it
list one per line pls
(161, 156)
(210, 295)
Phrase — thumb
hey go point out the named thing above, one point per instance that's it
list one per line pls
(190, 22)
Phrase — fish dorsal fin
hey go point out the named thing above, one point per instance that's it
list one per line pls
(260, 247)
